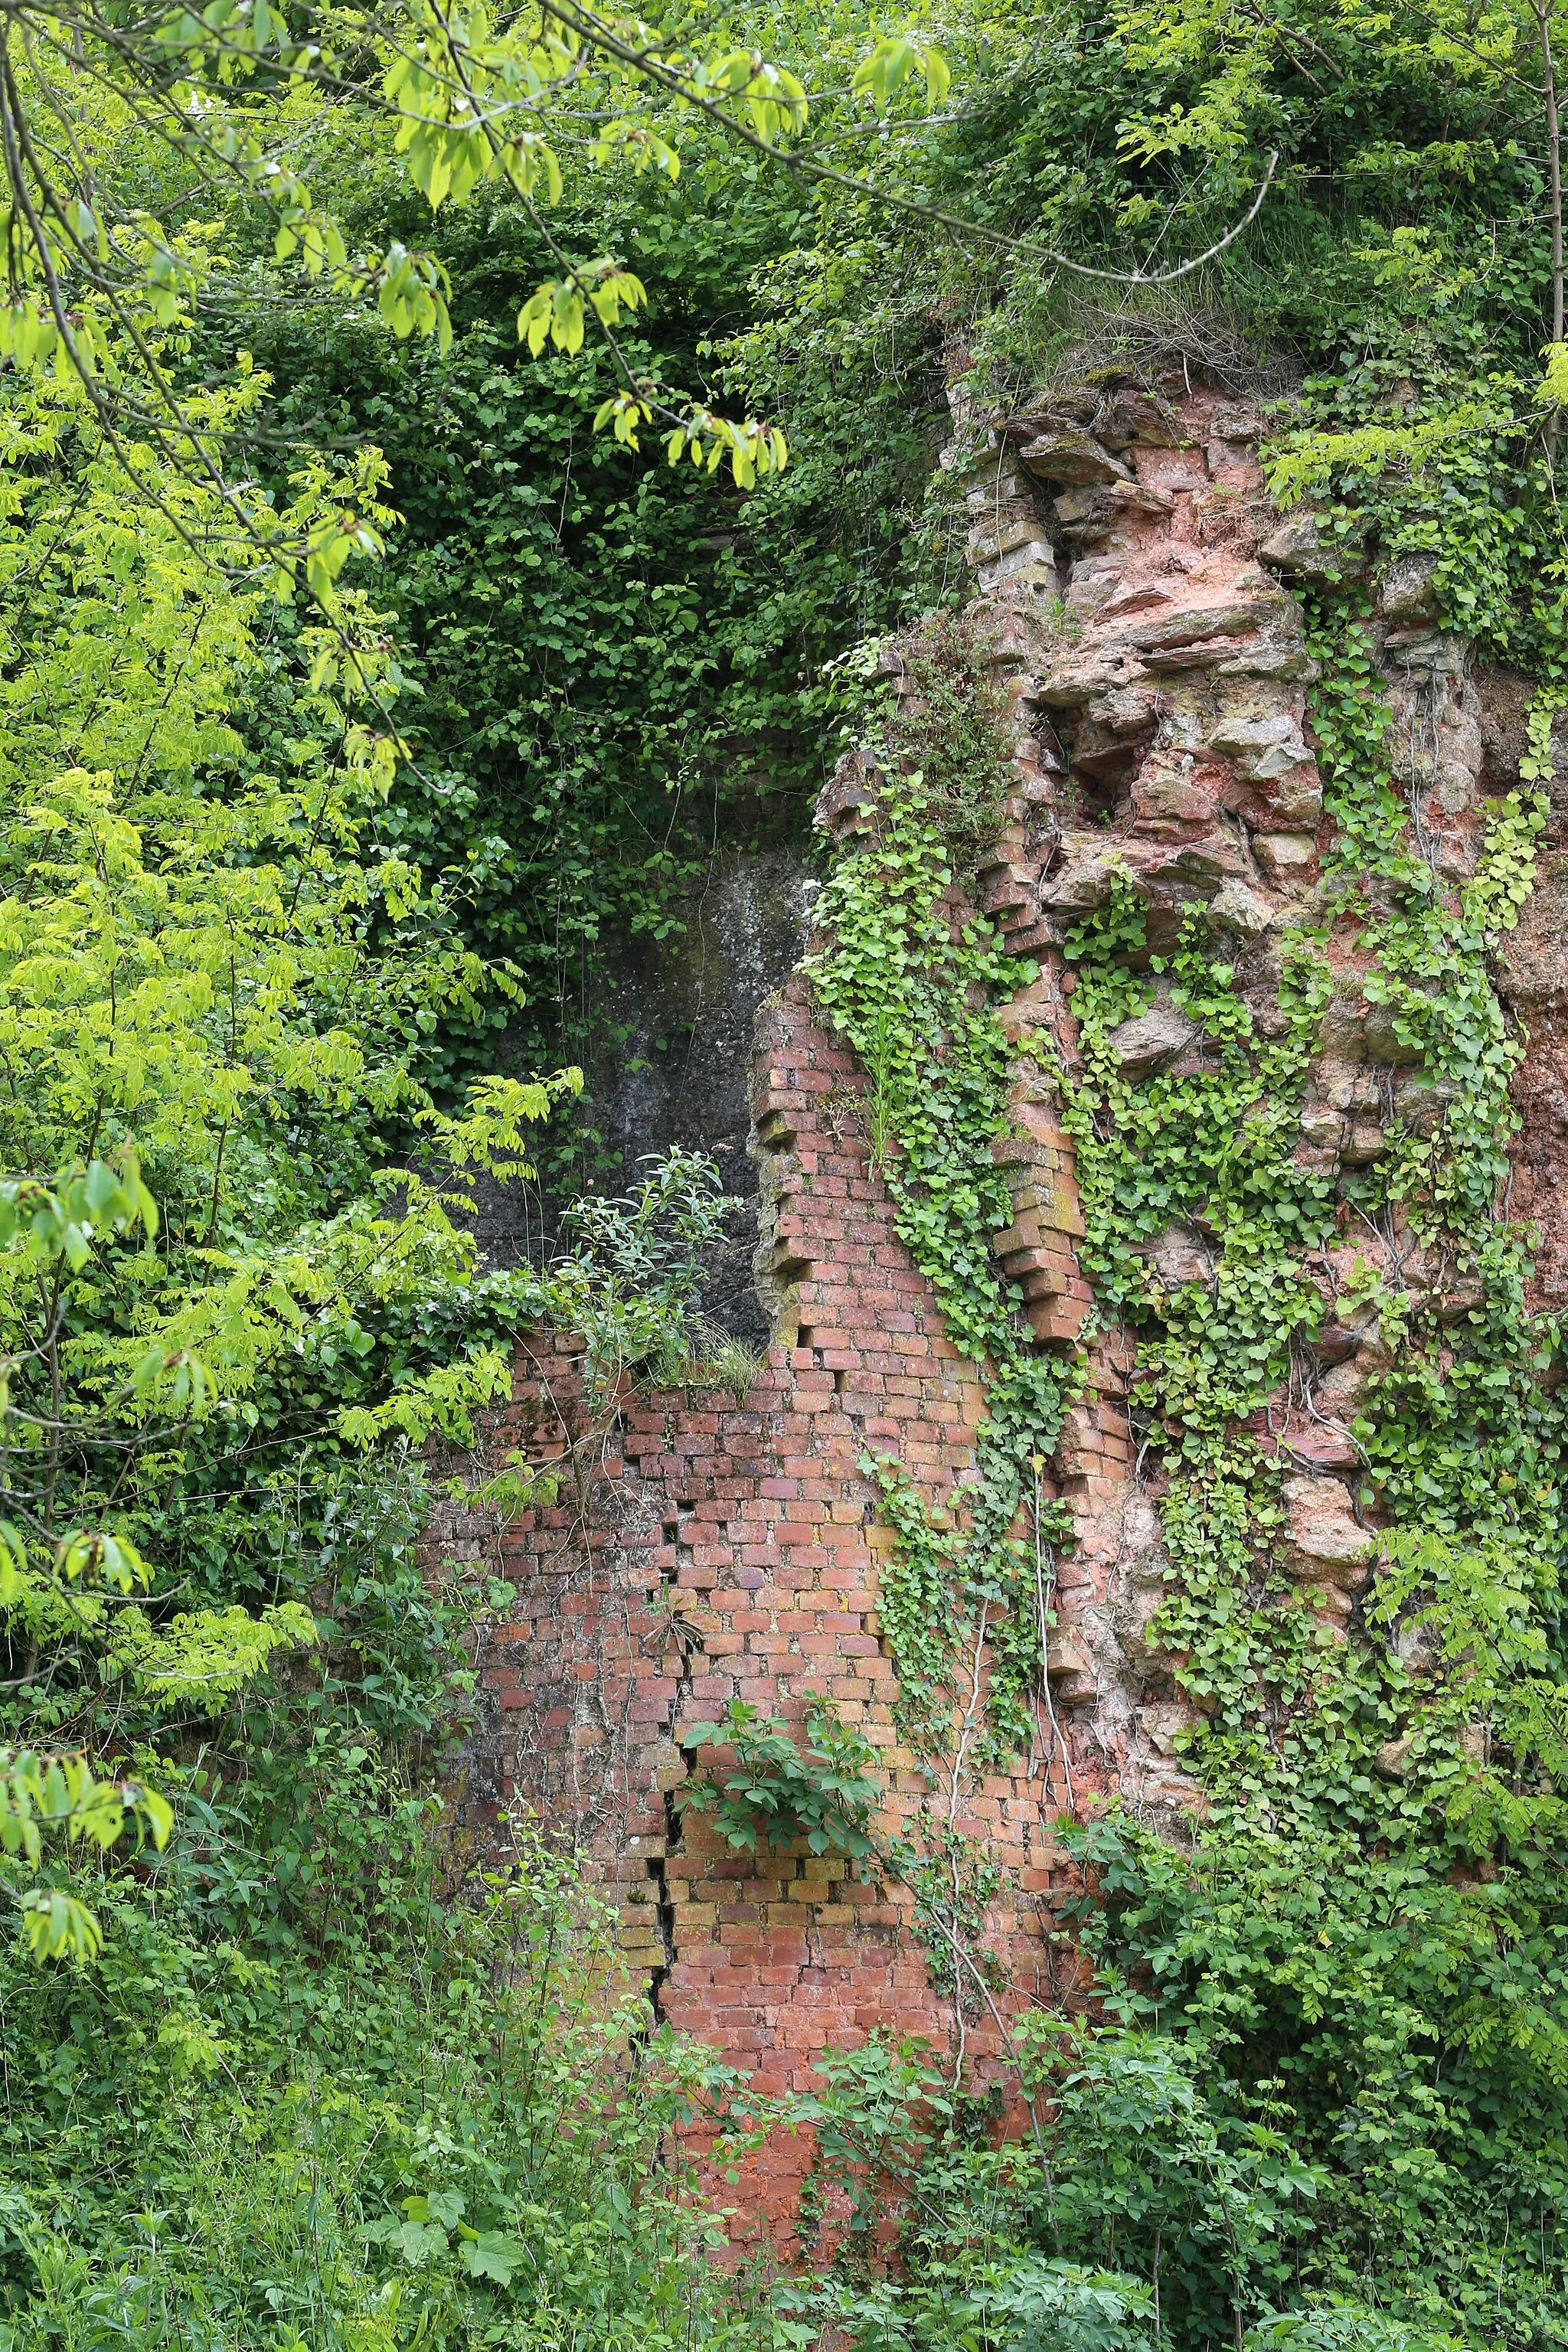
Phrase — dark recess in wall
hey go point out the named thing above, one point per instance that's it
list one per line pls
(674, 1025)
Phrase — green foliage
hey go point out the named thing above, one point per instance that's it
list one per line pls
(1356, 1966)
(630, 1284)
(1021, 2299)
(1339, 2321)
(1133, 2208)
(404, 2119)
(109, 261)
(1376, 1811)
(41, 1794)
(267, 934)
(288, 2073)
(961, 733)
(1215, 1149)
(1062, 2307)
(618, 668)
(1405, 2022)
(820, 1792)
(912, 982)
(236, 1278)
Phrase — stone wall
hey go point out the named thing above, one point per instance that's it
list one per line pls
(669, 1015)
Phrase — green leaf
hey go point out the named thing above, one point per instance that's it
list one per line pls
(494, 2255)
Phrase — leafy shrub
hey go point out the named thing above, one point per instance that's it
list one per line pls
(820, 1792)
(403, 2116)
(1342, 2325)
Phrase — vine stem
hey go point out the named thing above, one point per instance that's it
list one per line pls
(1043, 1590)
(966, 1729)
(963, 1958)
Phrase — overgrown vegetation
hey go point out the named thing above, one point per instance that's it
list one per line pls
(1327, 2062)
(310, 2095)
(1333, 2090)
(300, 894)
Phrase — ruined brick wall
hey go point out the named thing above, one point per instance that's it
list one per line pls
(1140, 599)
(704, 1550)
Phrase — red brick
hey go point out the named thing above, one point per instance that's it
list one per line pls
(773, 1562)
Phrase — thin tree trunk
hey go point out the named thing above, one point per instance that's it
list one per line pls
(1555, 167)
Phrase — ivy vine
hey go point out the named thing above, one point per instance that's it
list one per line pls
(911, 979)
(1441, 1727)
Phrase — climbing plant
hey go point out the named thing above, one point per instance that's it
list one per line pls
(1316, 2095)
(912, 977)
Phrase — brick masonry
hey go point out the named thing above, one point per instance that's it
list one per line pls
(704, 1550)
